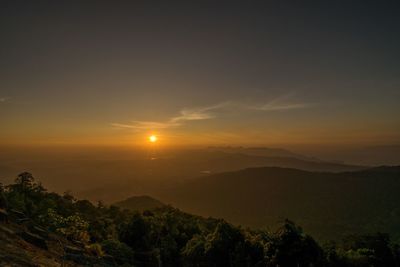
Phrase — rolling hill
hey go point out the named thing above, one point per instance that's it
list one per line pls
(110, 176)
(328, 205)
(139, 203)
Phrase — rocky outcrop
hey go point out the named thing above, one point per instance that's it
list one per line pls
(39, 231)
(74, 250)
(34, 239)
(3, 216)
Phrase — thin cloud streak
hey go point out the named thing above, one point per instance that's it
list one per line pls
(185, 115)
(199, 113)
(143, 125)
(4, 99)
(276, 107)
(206, 113)
(281, 103)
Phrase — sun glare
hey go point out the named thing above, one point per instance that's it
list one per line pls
(153, 138)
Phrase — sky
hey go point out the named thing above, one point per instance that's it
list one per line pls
(199, 72)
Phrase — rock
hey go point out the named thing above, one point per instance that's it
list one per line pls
(39, 231)
(3, 216)
(78, 243)
(17, 213)
(18, 216)
(3, 199)
(22, 220)
(83, 260)
(80, 259)
(34, 239)
(74, 250)
(7, 230)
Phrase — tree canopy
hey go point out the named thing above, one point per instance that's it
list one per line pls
(166, 236)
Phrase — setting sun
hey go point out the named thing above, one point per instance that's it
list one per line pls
(153, 138)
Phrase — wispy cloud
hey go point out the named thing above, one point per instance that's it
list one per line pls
(203, 113)
(145, 125)
(281, 103)
(193, 114)
(273, 107)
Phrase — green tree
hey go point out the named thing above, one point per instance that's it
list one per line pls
(136, 233)
(290, 247)
(223, 244)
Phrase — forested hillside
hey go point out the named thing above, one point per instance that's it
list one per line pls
(139, 203)
(96, 235)
(111, 175)
(328, 205)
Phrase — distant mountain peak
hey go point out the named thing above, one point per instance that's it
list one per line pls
(262, 151)
(139, 203)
